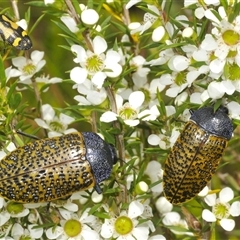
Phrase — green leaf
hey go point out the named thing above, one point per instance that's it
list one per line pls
(15, 100)
(3, 78)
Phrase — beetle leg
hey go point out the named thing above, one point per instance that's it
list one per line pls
(98, 189)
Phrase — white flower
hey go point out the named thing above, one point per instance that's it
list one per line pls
(157, 237)
(222, 209)
(90, 95)
(178, 81)
(18, 232)
(56, 125)
(155, 172)
(158, 34)
(46, 80)
(12, 72)
(81, 196)
(22, 23)
(11, 210)
(181, 98)
(204, 192)
(129, 111)
(49, 2)
(126, 226)
(28, 67)
(132, 3)
(74, 228)
(35, 231)
(163, 205)
(89, 16)
(70, 23)
(164, 141)
(234, 109)
(10, 147)
(223, 42)
(96, 197)
(178, 63)
(139, 75)
(164, 57)
(96, 65)
(216, 90)
(174, 219)
(148, 19)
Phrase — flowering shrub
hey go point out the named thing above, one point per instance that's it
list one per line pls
(130, 71)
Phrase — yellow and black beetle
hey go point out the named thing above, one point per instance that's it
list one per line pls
(54, 168)
(196, 154)
(14, 34)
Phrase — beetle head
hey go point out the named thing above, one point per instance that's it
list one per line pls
(217, 123)
(101, 155)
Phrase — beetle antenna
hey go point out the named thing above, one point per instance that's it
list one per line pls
(27, 135)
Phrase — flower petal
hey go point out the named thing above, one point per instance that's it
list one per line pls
(99, 45)
(136, 99)
(153, 139)
(35, 231)
(157, 237)
(131, 3)
(132, 123)
(107, 229)
(171, 218)
(135, 209)
(36, 56)
(115, 70)
(208, 216)
(65, 119)
(204, 192)
(78, 75)
(227, 224)
(210, 199)
(112, 56)
(41, 123)
(96, 97)
(108, 117)
(54, 232)
(235, 209)
(48, 112)
(226, 195)
(89, 16)
(98, 79)
(70, 23)
(163, 205)
(215, 90)
(81, 53)
(140, 233)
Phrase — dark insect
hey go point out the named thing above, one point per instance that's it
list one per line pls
(196, 154)
(13, 34)
(54, 168)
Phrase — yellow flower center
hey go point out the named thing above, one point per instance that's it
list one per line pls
(230, 37)
(24, 237)
(72, 227)
(94, 64)
(221, 210)
(123, 225)
(56, 126)
(180, 78)
(14, 207)
(232, 71)
(126, 112)
(29, 69)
